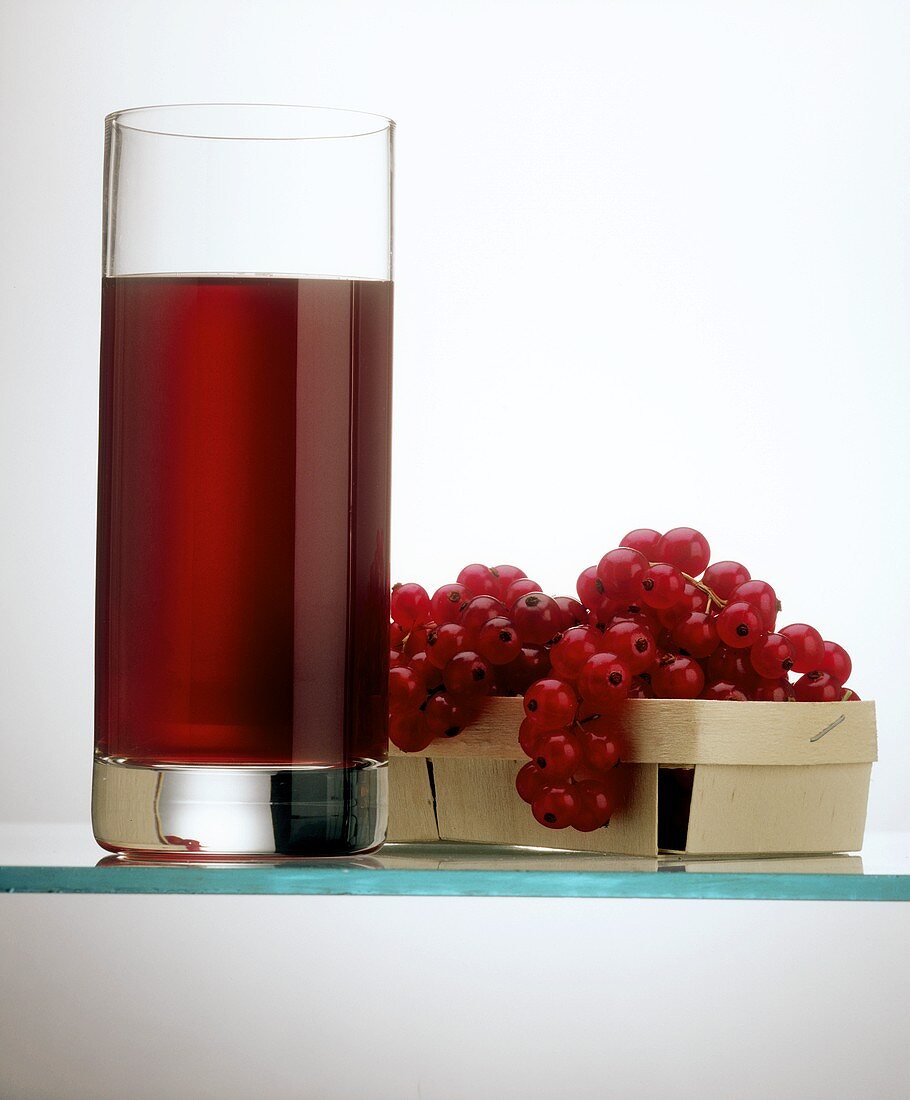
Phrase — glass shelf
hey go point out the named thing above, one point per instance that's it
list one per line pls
(65, 859)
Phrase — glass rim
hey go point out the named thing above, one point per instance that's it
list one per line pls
(367, 129)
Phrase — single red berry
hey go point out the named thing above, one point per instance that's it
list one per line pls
(529, 733)
(696, 634)
(537, 618)
(506, 575)
(595, 806)
(762, 597)
(522, 587)
(569, 654)
(621, 570)
(428, 675)
(479, 580)
(410, 605)
(808, 646)
(532, 664)
(723, 576)
(558, 755)
(604, 680)
(589, 587)
(497, 641)
(645, 540)
(739, 625)
(480, 610)
(416, 641)
(850, 696)
(551, 703)
(447, 717)
(641, 688)
(409, 731)
(685, 548)
(444, 642)
(836, 662)
(661, 586)
(397, 635)
(404, 688)
(397, 658)
(604, 611)
(729, 665)
(677, 678)
(447, 602)
(774, 691)
(573, 613)
(529, 782)
(772, 656)
(721, 689)
(555, 807)
(817, 687)
(599, 745)
(632, 643)
(468, 675)
(692, 599)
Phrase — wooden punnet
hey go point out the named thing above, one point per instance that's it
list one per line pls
(765, 778)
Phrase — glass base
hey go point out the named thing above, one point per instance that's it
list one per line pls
(238, 812)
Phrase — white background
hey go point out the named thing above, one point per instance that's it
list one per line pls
(652, 269)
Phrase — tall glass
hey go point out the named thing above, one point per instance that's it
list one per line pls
(243, 501)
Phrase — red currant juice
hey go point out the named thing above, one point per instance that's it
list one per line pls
(242, 584)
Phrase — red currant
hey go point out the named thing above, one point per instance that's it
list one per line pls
(599, 745)
(410, 605)
(621, 570)
(632, 643)
(762, 597)
(836, 662)
(569, 654)
(558, 755)
(594, 805)
(573, 613)
(498, 641)
(662, 586)
(404, 688)
(416, 641)
(479, 580)
(696, 634)
(641, 688)
(730, 665)
(447, 601)
(551, 703)
(677, 678)
(506, 575)
(589, 587)
(774, 691)
(447, 717)
(444, 642)
(644, 540)
(428, 675)
(555, 807)
(808, 646)
(529, 733)
(529, 782)
(537, 617)
(468, 675)
(817, 687)
(739, 625)
(604, 680)
(519, 588)
(723, 576)
(397, 658)
(532, 664)
(685, 548)
(772, 656)
(409, 731)
(480, 610)
(397, 635)
(850, 696)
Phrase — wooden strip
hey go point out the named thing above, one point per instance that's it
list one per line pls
(412, 816)
(697, 731)
(739, 809)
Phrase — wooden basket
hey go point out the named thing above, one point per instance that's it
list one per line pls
(698, 777)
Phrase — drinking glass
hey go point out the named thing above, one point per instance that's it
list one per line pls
(243, 492)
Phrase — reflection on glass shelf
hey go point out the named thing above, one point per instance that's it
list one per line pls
(64, 858)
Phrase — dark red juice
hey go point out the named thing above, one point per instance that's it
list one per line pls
(242, 585)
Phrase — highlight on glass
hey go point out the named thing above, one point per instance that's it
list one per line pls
(243, 492)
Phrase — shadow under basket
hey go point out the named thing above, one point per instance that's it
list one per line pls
(696, 777)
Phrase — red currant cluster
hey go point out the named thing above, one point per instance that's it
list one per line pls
(644, 626)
